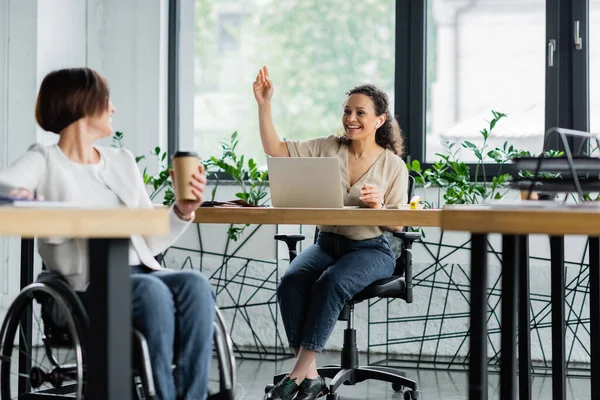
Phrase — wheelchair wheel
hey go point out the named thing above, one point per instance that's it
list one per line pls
(226, 358)
(42, 348)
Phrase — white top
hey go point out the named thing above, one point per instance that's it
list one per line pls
(114, 182)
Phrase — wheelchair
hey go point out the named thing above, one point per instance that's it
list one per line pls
(43, 343)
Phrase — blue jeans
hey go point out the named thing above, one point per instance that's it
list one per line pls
(315, 286)
(175, 311)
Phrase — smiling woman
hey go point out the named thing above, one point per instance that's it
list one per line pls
(372, 108)
(345, 259)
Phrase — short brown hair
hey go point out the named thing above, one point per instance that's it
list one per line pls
(67, 95)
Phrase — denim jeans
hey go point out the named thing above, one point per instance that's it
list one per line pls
(175, 311)
(315, 286)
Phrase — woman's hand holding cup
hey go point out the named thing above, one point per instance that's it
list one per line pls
(189, 183)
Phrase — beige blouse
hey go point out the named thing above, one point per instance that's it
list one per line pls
(388, 173)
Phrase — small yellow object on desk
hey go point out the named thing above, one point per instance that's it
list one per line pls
(413, 205)
(414, 202)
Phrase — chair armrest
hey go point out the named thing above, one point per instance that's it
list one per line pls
(408, 238)
(288, 238)
(291, 241)
(412, 236)
(404, 263)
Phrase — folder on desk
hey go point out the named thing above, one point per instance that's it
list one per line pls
(14, 201)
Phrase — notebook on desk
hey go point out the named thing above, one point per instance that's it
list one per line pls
(305, 182)
(24, 203)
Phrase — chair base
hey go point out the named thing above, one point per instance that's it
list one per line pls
(351, 376)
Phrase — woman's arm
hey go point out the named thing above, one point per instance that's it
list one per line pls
(370, 194)
(263, 92)
(177, 226)
(25, 172)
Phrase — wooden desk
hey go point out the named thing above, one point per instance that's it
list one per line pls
(305, 216)
(109, 358)
(523, 221)
(515, 225)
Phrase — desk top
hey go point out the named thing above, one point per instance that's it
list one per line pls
(92, 223)
(311, 216)
(523, 221)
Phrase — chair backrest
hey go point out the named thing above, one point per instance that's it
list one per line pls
(411, 191)
(411, 186)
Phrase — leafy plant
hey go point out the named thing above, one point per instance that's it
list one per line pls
(542, 174)
(452, 177)
(252, 182)
(159, 182)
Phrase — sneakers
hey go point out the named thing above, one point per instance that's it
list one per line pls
(311, 389)
(285, 389)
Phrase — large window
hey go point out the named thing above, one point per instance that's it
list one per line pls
(483, 56)
(449, 63)
(594, 49)
(315, 50)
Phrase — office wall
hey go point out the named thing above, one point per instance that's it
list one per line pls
(126, 40)
(18, 61)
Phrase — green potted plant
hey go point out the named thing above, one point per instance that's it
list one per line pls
(452, 177)
(229, 165)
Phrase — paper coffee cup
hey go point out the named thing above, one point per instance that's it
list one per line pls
(185, 165)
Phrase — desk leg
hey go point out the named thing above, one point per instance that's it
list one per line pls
(27, 254)
(478, 382)
(524, 321)
(595, 315)
(508, 358)
(557, 288)
(109, 372)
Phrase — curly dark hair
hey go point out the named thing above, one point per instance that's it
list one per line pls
(388, 135)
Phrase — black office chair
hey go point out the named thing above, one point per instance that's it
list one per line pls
(398, 286)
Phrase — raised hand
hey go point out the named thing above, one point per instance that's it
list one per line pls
(370, 195)
(263, 87)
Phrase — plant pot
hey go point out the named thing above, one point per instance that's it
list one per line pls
(524, 195)
(538, 196)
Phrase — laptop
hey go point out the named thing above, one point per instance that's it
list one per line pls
(305, 182)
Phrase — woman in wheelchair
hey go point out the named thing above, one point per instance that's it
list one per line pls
(345, 259)
(174, 311)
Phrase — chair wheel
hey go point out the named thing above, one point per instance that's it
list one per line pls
(397, 387)
(333, 396)
(411, 395)
(269, 387)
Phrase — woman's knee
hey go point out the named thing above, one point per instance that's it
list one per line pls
(151, 298)
(332, 285)
(289, 280)
(195, 282)
(147, 287)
